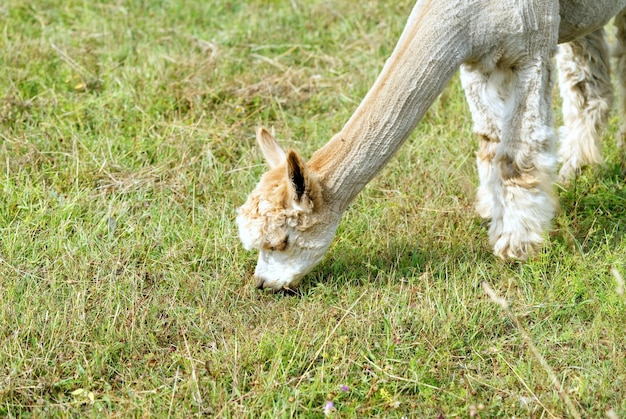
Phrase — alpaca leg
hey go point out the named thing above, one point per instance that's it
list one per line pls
(485, 103)
(524, 163)
(620, 54)
(587, 92)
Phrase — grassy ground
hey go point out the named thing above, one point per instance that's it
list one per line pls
(126, 145)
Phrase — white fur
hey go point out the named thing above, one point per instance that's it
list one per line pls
(285, 268)
(620, 54)
(585, 86)
(512, 113)
(490, 99)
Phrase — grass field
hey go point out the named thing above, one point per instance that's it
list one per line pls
(126, 146)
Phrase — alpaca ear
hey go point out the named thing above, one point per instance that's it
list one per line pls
(298, 176)
(273, 153)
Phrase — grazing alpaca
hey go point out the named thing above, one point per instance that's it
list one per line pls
(504, 49)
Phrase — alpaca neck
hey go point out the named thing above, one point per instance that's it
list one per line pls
(430, 50)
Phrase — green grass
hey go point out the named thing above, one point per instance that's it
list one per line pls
(126, 145)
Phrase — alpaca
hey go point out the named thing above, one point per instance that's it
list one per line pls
(504, 50)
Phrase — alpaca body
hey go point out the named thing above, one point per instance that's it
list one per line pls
(504, 49)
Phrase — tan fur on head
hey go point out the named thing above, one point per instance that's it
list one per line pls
(285, 217)
(272, 208)
(273, 153)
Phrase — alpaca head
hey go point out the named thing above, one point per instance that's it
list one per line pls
(285, 218)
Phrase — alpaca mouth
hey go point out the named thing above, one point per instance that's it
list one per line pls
(260, 283)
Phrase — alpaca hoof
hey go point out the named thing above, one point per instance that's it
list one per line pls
(510, 247)
(568, 172)
(483, 210)
(484, 203)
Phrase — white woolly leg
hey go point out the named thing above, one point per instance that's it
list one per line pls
(485, 92)
(620, 53)
(484, 161)
(512, 116)
(524, 209)
(587, 92)
(524, 165)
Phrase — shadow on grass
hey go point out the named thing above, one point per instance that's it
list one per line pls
(405, 259)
